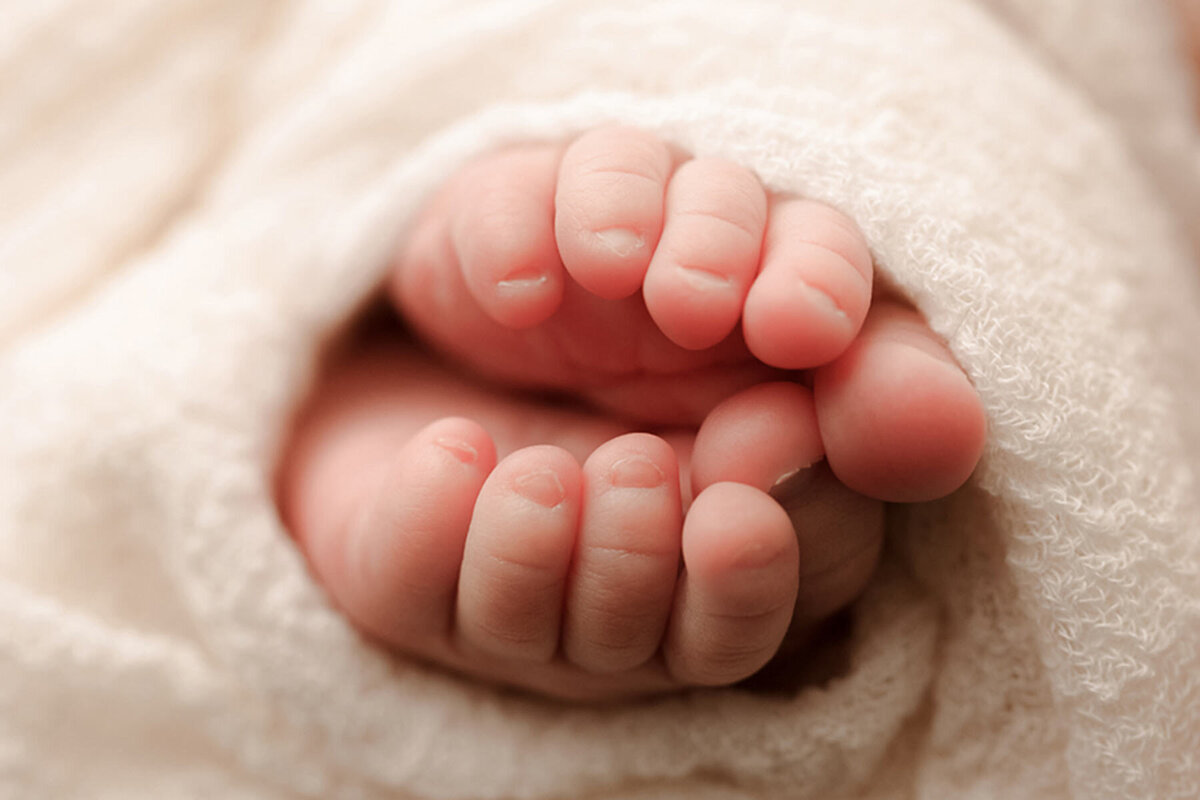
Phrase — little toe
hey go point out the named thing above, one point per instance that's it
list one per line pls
(708, 255)
(609, 208)
(627, 556)
(429, 289)
(397, 568)
(814, 289)
(900, 420)
(503, 234)
(517, 553)
(735, 599)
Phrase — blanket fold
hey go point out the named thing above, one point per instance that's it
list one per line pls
(199, 194)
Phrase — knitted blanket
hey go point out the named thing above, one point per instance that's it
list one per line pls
(195, 194)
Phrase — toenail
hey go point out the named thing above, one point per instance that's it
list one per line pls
(458, 448)
(542, 487)
(792, 485)
(825, 300)
(785, 477)
(636, 472)
(621, 241)
(519, 282)
(705, 279)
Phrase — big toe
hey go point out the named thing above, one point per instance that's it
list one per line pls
(900, 420)
(736, 596)
(768, 437)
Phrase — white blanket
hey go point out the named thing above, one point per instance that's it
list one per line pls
(194, 194)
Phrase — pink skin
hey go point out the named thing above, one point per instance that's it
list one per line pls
(552, 548)
(515, 564)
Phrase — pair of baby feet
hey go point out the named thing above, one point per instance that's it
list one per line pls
(523, 540)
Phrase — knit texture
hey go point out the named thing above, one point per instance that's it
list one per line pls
(197, 194)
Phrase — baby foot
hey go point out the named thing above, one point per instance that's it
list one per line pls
(527, 269)
(515, 564)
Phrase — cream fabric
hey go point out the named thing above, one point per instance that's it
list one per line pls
(196, 193)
